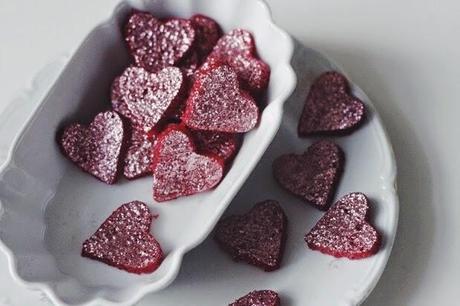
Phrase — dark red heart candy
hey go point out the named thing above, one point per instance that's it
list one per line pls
(138, 158)
(178, 170)
(237, 49)
(124, 240)
(156, 44)
(257, 238)
(312, 176)
(224, 145)
(344, 230)
(96, 149)
(330, 108)
(207, 32)
(258, 298)
(216, 103)
(147, 98)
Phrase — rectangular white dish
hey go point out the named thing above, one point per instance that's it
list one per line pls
(48, 206)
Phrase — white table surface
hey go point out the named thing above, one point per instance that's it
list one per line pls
(405, 54)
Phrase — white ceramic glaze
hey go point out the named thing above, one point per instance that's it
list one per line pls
(48, 206)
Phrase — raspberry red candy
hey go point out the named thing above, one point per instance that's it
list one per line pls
(344, 230)
(156, 44)
(178, 170)
(237, 48)
(124, 240)
(207, 32)
(138, 158)
(146, 98)
(224, 145)
(216, 103)
(95, 149)
(312, 176)
(257, 238)
(258, 298)
(330, 108)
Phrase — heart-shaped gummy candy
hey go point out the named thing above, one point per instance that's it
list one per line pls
(237, 49)
(344, 230)
(312, 176)
(138, 158)
(124, 240)
(95, 149)
(156, 44)
(207, 32)
(258, 298)
(330, 108)
(146, 98)
(257, 238)
(216, 103)
(178, 170)
(224, 145)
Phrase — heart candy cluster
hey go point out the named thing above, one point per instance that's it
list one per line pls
(178, 113)
(175, 78)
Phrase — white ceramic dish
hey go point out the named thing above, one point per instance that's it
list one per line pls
(208, 277)
(48, 206)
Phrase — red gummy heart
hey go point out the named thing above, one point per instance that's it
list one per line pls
(207, 32)
(124, 240)
(237, 49)
(216, 103)
(224, 145)
(258, 298)
(257, 238)
(138, 159)
(156, 44)
(313, 176)
(146, 98)
(179, 171)
(95, 149)
(344, 230)
(330, 108)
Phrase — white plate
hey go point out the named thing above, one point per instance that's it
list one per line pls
(208, 277)
(50, 206)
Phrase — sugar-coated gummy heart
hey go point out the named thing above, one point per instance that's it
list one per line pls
(138, 158)
(207, 32)
(224, 145)
(216, 103)
(124, 240)
(237, 48)
(330, 108)
(146, 98)
(257, 238)
(258, 298)
(96, 149)
(178, 170)
(313, 176)
(344, 230)
(156, 44)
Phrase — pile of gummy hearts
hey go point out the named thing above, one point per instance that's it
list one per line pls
(179, 111)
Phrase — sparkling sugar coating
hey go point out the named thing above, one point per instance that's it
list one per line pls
(95, 149)
(207, 32)
(146, 98)
(216, 103)
(312, 176)
(237, 49)
(178, 170)
(257, 238)
(344, 230)
(258, 298)
(156, 44)
(224, 145)
(138, 158)
(124, 240)
(330, 108)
